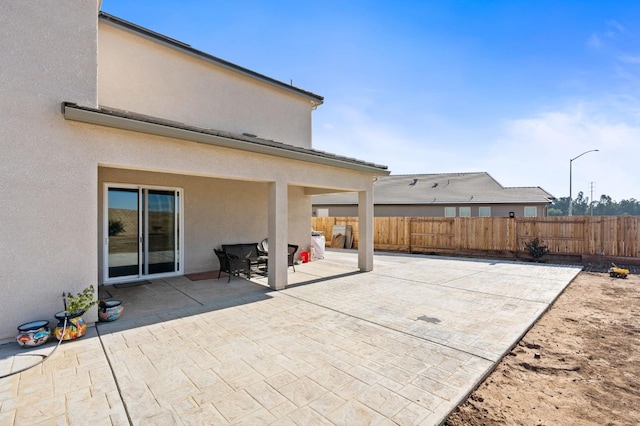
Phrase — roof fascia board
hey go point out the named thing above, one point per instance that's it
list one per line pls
(85, 115)
(187, 49)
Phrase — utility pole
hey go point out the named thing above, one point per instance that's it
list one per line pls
(591, 200)
(570, 172)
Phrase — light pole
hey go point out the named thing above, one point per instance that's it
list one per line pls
(570, 165)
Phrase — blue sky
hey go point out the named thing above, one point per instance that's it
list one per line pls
(513, 88)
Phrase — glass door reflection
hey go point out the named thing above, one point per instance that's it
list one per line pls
(124, 232)
(160, 215)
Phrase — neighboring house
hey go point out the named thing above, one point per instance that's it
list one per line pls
(446, 194)
(127, 155)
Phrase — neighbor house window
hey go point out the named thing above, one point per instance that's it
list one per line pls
(530, 211)
(449, 212)
(465, 211)
(484, 211)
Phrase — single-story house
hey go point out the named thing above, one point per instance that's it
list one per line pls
(442, 194)
(128, 155)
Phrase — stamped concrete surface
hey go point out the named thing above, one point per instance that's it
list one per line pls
(403, 344)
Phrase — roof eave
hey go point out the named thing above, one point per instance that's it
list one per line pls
(102, 118)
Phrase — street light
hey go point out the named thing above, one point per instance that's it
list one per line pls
(570, 164)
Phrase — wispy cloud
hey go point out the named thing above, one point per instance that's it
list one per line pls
(629, 59)
(619, 57)
(615, 26)
(611, 31)
(594, 41)
(537, 150)
(526, 151)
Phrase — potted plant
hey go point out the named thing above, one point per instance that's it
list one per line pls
(71, 325)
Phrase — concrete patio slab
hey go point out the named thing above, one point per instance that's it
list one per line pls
(403, 344)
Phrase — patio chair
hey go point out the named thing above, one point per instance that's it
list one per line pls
(224, 263)
(263, 247)
(291, 251)
(232, 265)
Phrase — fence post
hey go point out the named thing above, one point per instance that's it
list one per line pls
(514, 223)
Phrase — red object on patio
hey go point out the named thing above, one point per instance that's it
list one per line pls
(304, 256)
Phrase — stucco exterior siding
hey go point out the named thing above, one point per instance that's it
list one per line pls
(132, 150)
(437, 195)
(299, 218)
(144, 76)
(210, 219)
(53, 168)
(216, 212)
(48, 54)
(52, 226)
(497, 210)
(225, 191)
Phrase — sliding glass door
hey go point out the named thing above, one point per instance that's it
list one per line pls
(123, 241)
(143, 232)
(160, 217)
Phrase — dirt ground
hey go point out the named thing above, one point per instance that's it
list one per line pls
(578, 365)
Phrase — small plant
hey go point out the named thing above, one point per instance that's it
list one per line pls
(79, 303)
(536, 249)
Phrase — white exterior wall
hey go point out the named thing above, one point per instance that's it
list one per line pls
(48, 173)
(144, 76)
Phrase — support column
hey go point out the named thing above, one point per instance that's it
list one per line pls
(365, 230)
(278, 234)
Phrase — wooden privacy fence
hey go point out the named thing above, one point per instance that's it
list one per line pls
(610, 236)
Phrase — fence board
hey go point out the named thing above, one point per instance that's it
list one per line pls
(617, 236)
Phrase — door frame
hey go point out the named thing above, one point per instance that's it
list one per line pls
(179, 238)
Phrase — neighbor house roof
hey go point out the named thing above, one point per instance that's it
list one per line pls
(186, 48)
(443, 188)
(161, 127)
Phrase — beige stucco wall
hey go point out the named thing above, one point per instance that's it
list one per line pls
(225, 190)
(47, 219)
(50, 222)
(144, 76)
(216, 212)
(299, 219)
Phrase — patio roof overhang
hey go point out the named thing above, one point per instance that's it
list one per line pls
(160, 127)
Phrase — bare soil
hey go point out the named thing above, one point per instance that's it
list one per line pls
(578, 365)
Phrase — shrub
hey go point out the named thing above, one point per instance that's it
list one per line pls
(536, 249)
